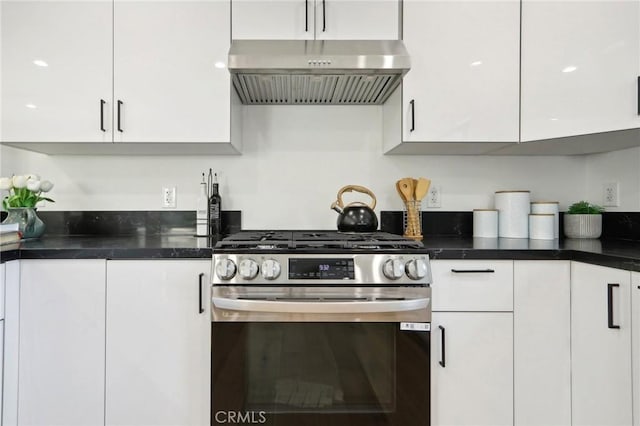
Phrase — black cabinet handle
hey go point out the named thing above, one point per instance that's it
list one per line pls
(610, 305)
(413, 115)
(324, 16)
(473, 271)
(119, 122)
(442, 351)
(102, 103)
(638, 95)
(306, 15)
(200, 308)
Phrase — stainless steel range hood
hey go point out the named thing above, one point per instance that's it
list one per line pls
(317, 72)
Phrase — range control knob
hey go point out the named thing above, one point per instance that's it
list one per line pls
(393, 269)
(416, 269)
(225, 269)
(248, 269)
(270, 269)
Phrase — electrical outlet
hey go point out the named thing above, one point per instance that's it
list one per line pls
(434, 197)
(611, 194)
(169, 197)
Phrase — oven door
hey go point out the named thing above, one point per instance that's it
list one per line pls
(320, 356)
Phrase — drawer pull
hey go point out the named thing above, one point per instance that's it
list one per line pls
(610, 305)
(473, 271)
(200, 308)
(442, 352)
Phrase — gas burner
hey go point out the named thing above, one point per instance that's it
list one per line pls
(315, 241)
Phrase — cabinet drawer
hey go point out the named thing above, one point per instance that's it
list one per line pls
(472, 285)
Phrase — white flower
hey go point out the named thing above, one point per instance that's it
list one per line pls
(33, 185)
(6, 183)
(19, 181)
(45, 186)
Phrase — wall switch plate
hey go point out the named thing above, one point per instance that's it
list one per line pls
(169, 197)
(611, 194)
(434, 197)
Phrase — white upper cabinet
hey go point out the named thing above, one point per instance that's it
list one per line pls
(580, 67)
(464, 79)
(117, 71)
(272, 19)
(171, 83)
(56, 70)
(356, 19)
(315, 19)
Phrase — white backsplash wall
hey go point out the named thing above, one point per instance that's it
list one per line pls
(617, 166)
(294, 161)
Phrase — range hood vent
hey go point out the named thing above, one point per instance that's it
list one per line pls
(315, 72)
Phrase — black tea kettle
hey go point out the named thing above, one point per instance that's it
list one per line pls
(356, 216)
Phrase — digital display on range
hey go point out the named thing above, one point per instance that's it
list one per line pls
(321, 269)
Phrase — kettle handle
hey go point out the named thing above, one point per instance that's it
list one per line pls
(356, 188)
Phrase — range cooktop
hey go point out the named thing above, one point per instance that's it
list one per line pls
(315, 241)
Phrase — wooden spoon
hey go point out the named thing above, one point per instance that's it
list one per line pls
(422, 187)
(407, 189)
(404, 200)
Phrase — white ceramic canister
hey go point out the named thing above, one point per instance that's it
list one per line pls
(541, 226)
(513, 213)
(548, 207)
(485, 223)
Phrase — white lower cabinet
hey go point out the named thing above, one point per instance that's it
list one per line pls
(61, 342)
(542, 343)
(158, 342)
(472, 373)
(601, 345)
(472, 344)
(635, 350)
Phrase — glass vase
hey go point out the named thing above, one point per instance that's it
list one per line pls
(29, 224)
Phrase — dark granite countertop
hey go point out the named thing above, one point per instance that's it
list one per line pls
(612, 253)
(103, 247)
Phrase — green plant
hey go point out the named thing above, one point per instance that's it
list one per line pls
(584, 207)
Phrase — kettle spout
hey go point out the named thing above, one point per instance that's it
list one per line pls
(337, 208)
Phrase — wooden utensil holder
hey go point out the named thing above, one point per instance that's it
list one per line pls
(412, 219)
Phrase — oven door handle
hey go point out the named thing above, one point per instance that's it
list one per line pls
(314, 306)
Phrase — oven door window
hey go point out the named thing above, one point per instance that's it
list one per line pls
(329, 373)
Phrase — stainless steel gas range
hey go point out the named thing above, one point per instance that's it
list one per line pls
(320, 328)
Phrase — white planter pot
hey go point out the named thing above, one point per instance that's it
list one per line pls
(583, 225)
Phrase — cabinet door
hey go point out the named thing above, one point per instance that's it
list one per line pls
(170, 71)
(464, 80)
(61, 355)
(56, 70)
(158, 343)
(272, 19)
(2, 286)
(635, 353)
(475, 385)
(357, 20)
(579, 67)
(600, 354)
(542, 343)
(1, 362)
(472, 285)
